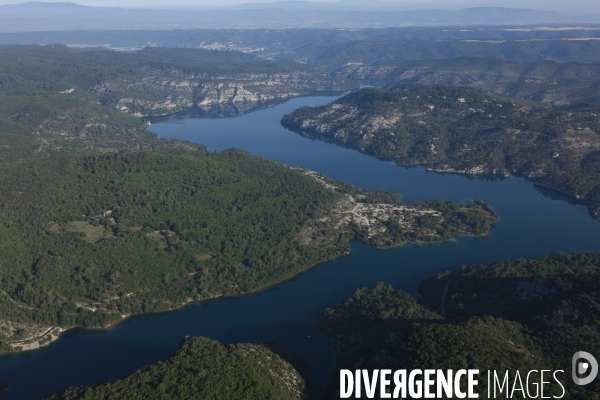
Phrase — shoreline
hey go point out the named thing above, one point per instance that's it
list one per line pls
(125, 317)
(288, 278)
(51, 335)
(478, 172)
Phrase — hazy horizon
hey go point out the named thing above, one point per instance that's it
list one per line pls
(399, 5)
(345, 14)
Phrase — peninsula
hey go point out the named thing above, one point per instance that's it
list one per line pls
(88, 240)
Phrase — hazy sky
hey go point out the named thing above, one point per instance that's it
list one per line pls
(562, 5)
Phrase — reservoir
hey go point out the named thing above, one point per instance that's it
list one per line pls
(533, 224)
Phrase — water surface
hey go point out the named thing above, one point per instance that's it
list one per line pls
(533, 224)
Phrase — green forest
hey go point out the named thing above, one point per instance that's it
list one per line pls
(138, 232)
(465, 130)
(46, 108)
(516, 315)
(206, 369)
(86, 240)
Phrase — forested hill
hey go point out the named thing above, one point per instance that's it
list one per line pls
(465, 130)
(556, 70)
(88, 240)
(55, 99)
(205, 369)
(51, 68)
(490, 45)
(518, 315)
(549, 82)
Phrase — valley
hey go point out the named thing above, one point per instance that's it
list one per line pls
(157, 218)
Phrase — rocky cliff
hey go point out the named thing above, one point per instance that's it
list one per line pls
(156, 94)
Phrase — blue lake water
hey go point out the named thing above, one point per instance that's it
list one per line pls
(533, 224)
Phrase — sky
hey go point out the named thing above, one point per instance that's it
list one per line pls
(557, 5)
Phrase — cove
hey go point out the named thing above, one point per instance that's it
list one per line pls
(533, 224)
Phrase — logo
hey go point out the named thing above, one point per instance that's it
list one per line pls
(584, 363)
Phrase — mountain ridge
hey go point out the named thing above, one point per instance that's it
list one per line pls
(39, 16)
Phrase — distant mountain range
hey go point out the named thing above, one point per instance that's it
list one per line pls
(40, 16)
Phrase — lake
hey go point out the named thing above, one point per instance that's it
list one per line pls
(533, 224)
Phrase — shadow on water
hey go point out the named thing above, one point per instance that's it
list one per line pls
(558, 196)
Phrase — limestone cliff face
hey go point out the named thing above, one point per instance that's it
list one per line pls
(235, 92)
(155, 94)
